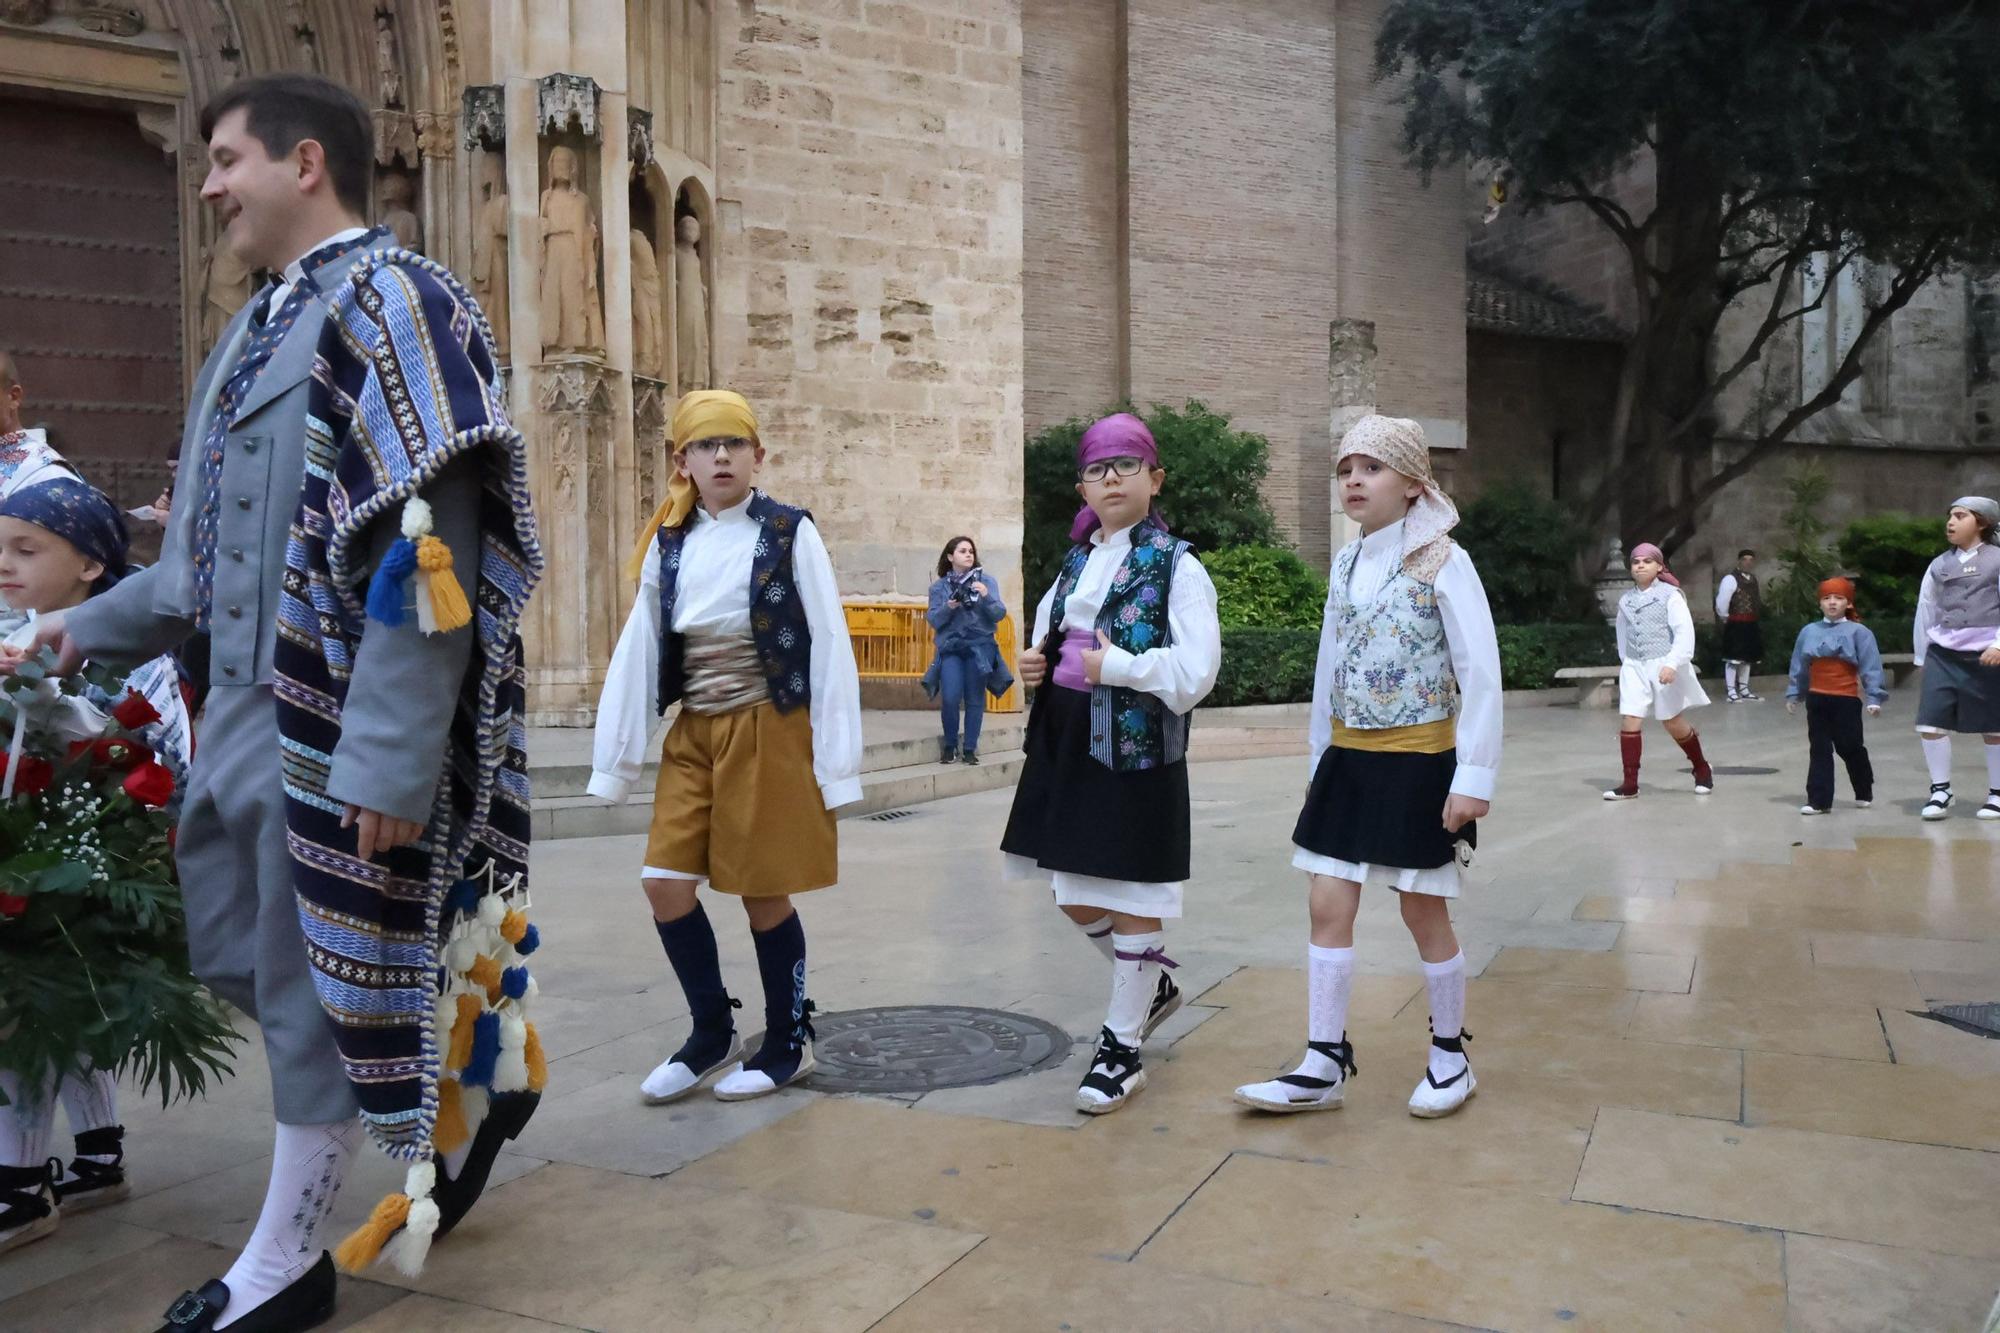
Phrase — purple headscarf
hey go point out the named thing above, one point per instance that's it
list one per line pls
(1120, 435)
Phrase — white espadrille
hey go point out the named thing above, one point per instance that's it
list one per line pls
(674, 1079)
(1303, 1091)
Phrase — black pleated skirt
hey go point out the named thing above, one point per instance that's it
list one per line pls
(1381, 809)
(1073, 814)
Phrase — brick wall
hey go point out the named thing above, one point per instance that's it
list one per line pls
(870, 202)
(1565, 246)
(1536, 411)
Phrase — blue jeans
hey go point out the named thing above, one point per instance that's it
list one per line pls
(961, 684)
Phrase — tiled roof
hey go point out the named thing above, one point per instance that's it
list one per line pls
(1494, 304)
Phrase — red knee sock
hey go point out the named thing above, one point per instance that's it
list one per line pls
(1691, 747)
(1629, 744)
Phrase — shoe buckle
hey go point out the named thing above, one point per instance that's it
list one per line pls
(186, 1310)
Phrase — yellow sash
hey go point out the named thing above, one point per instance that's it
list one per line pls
(1423, 738)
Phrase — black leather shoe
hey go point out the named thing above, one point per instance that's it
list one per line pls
(505, 1119)
(307, 1303)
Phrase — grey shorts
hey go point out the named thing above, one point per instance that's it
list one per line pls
(1959, 694)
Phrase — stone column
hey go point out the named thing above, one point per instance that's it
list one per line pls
(1351, 379)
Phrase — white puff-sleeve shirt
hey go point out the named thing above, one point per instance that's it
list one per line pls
(712, 596)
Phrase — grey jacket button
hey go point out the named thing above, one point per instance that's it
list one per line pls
(230, 672)
(236, 613)
(243, 502)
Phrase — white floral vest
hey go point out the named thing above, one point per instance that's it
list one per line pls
(1391, 666)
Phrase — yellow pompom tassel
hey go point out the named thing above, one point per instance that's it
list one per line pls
(485, 972)
(538, 1064)
(513, 926)
(447, 606)
(360, 1249)
(451, 1132)
(460, 1050)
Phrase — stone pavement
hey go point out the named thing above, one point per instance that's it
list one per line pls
(1705, 1102)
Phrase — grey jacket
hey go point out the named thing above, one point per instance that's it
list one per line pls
(404, 685)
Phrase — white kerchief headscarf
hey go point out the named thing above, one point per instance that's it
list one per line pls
(1399, 442)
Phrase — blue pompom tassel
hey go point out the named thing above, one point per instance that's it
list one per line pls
(464, 897)
(530, 942)
(392, 577)
(514, 982)
(478, 1071)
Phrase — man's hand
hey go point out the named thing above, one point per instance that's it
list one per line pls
(1093, 660)
(1462, 810)
(1034, 666)
(1666, 675)
(378, 832)
(49, 633)
(1991, 657)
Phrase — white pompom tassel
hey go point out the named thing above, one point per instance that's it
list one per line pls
(511, 1073)
(408, 1248)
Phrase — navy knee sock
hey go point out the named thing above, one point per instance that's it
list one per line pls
(690, 945)
(781, 962)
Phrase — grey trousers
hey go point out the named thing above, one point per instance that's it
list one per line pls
(242, 914)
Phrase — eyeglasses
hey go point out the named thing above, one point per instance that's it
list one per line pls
(721, 444)
(1124, 467)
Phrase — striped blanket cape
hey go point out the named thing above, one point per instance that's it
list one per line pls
(418, 953)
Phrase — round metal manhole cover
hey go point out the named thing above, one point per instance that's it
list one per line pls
(919, 1048)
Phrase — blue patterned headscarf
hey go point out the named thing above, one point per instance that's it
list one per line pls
(80, 514)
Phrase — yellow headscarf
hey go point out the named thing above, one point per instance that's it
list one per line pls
(705, 414)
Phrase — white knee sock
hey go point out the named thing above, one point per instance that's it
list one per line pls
(90, 1102)
(1133, 979)
(307, 1168)
(1446, 983)
(1329, 981)
(1730, 671)
(1992, 766)
(1098, 932)
(1937, 757)
(27, 1123)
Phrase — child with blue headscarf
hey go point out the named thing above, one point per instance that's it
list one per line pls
(62, 542)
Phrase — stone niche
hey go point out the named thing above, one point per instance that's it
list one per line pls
(570, 213)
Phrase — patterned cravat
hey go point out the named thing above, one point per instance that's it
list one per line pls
(267, 330)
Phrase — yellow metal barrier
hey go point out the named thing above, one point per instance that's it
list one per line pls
(892, 641)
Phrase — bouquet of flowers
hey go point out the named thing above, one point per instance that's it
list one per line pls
(93, 945)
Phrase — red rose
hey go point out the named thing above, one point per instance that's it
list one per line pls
(150, 784)
(12, 904)
(134, 712)
(33, 777)
(116, 752)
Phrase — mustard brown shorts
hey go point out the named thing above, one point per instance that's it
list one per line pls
(737, 804)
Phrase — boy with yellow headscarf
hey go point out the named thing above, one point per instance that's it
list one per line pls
(739, 621)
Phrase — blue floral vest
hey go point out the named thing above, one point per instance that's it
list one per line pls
(1129, 729)
(777, 613)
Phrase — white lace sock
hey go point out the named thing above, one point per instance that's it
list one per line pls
(1992, 765)
(1446, 983)
(1329, 981)
(91, 1103)
(308, 1165)
(1133, 979)
(27, 1125)
(1098, 932)
(1730, 671)
(1937, 757)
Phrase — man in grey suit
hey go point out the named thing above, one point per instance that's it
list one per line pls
(291, 162)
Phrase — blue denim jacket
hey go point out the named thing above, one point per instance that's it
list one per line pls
(965, 626)
(1843, 639)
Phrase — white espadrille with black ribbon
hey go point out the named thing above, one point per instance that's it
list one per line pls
(1115, 1076)
(1939, 805)
(1434, 1097)
(1301, 1090)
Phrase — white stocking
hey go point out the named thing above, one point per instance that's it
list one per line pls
(1098, 932)
(27, 1123)
(1133, 979)
(1446, 983)
(1937, 757)
(1329, 981)
(91, 1102)
(308, 1166)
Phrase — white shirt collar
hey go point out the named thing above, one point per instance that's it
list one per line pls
(1122, 537)
(1390, 536)
(30, 435)
(295, 270)
(736, 513)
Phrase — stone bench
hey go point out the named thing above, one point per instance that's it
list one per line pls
(1596, 686)
(1900, 667)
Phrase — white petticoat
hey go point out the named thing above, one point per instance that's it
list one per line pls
(1437, 882)
(1131, 896)
(1640, 693)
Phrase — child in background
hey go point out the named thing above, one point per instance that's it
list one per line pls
(1837, 670)
(1656, 672)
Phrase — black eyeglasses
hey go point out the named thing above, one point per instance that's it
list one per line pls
(1124, 467)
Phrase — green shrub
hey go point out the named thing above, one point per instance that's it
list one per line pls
(1886, 555)
(1794, 594)
(1213, 495)
(1524, 547)
(1530, 655)
(1265, 587)
(1266, 666)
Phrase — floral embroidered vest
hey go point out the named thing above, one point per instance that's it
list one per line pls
(777, 613)
(1130, 729)
(1391, 664)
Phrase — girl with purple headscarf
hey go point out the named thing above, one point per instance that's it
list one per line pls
(1656, 672)
(1125, 645)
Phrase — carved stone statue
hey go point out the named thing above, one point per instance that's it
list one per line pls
(648, 319)
(225, 286)
(489, 264)
(395, 195)
(572, 312)
(388, 68)
(690, 308)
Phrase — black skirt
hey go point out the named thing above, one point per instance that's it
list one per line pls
(1073, 814)
(1380, 809)
(1742, 641)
